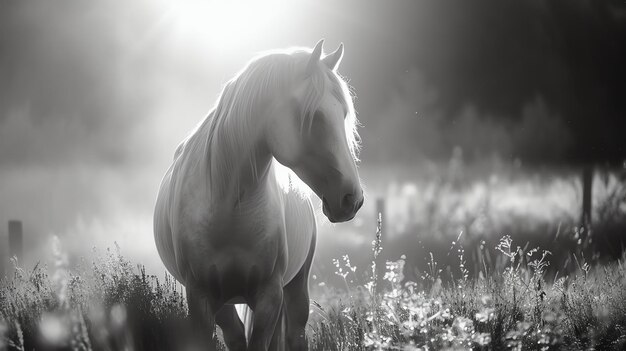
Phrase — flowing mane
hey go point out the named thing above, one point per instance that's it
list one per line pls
(246, 94)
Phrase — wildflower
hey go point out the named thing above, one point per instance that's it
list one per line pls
(504, 246)
(376, 341)
(532, 251)
(394, 273)
(463, 325)
(485, 315)
(482, 339)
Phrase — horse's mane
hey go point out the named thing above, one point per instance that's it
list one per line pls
(243, 97)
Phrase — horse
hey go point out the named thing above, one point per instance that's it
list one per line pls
(227, 225)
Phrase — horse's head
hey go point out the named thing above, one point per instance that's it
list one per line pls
(312, 131)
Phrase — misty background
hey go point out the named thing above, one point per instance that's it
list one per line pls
(477, 117)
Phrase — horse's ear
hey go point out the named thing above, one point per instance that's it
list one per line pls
(332, 60)
(315, 57)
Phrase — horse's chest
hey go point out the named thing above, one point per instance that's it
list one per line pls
(246, 225)
(242, 244)
(247, 242)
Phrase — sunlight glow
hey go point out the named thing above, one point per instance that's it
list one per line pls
(53, 329)
(225, 24)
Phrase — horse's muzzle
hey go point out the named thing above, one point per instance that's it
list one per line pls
(348, 208)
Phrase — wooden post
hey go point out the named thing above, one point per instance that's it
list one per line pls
(16, 241)
(587, 203)
(4, 260)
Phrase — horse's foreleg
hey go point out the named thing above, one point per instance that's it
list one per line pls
(202, 316)
(267, 306)
(297, 305)
(297, 312)
(232, 328)
(278, 338)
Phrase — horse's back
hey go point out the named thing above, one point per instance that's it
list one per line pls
(300, 230)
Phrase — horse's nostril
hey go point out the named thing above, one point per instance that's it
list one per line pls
(347, 201)
(358, 206)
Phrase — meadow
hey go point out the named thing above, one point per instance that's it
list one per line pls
(500, 264)
(110, 304)
(436, 209)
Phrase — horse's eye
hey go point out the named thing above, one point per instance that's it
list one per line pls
(319, 125)
(318, 115)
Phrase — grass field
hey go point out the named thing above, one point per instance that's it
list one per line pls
(108, 303)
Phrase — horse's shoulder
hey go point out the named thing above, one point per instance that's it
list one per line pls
(299, 216)
(298, 205)
(300, 230)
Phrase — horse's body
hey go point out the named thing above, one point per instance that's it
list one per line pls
(275, 217)
(224, 225)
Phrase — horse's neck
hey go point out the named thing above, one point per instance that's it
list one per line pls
(239, 162)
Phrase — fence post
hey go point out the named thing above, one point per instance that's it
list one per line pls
(4, 260)
(587, 196)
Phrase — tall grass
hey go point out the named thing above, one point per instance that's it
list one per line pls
(508, 307)
(110, 304)
(105, 304)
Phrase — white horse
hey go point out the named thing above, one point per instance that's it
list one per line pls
(224, 225)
